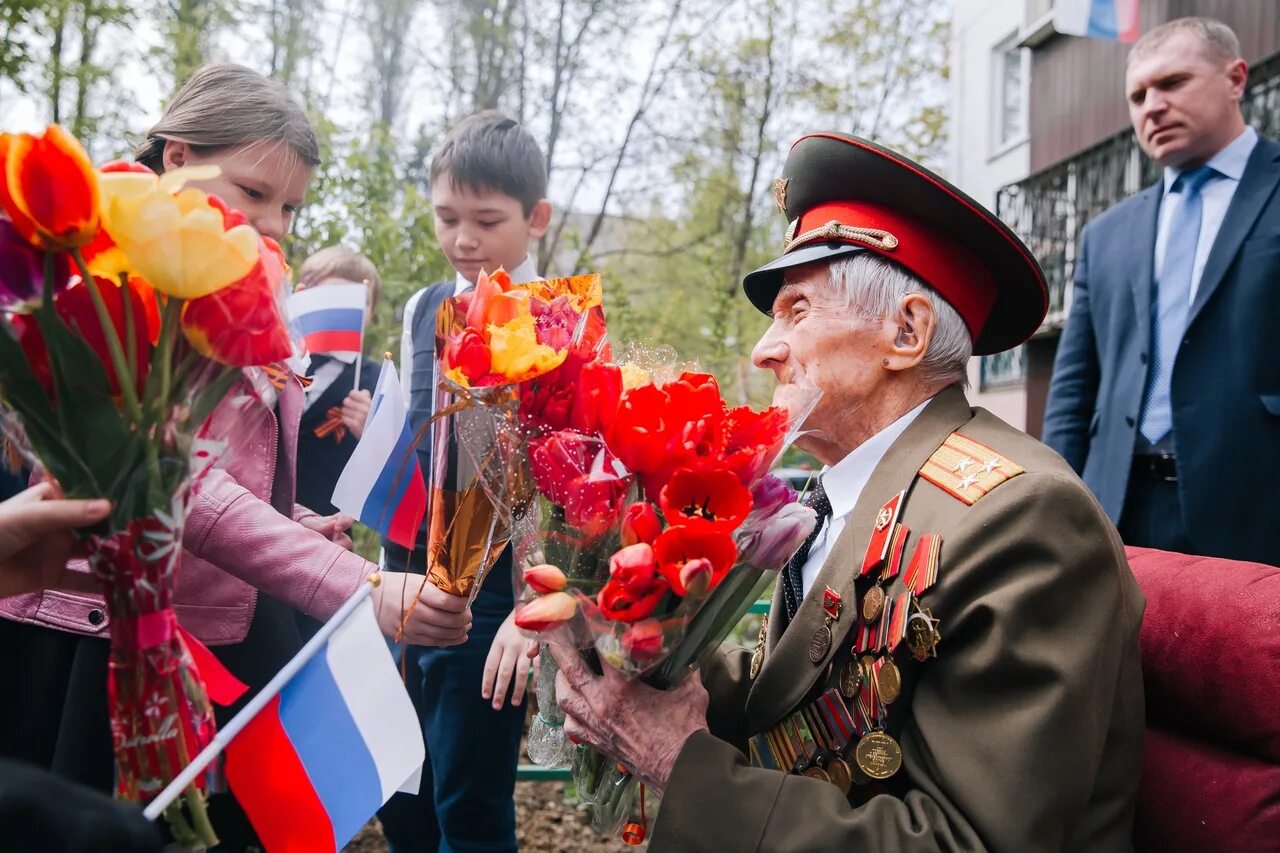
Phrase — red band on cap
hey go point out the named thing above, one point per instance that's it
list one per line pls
(936, 259)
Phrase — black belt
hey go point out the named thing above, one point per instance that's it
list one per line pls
(1156, 466)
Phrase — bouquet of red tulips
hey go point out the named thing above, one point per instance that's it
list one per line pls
(655, 528)
(131, 302)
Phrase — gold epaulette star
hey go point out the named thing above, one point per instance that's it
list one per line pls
(966, 469)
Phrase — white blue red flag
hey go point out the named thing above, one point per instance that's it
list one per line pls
(332, 745)
(1116, 20)
(382, 484)
(329, 318)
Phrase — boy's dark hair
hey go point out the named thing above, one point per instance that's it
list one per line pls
(490, 151)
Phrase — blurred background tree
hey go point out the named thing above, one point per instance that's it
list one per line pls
(664, 123)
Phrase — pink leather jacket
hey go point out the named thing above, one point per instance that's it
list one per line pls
(241, 535)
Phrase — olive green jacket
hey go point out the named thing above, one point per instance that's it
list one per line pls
(1024, 734)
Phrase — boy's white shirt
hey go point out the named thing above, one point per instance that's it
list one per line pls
(526, 271)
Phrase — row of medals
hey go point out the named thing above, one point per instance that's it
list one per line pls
(876, 754)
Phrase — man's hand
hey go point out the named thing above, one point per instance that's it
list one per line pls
(36, 540)
(437, 619)
(355, 411)
(629, 721)
(331, 527)
(508, 663)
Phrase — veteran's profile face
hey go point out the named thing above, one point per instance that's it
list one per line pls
(1182, 101)
(817, 340)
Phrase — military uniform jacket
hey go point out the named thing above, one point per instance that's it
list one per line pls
(1024, 734)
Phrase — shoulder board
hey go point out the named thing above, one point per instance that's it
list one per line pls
(967, 470)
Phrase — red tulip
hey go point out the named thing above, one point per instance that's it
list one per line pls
(579, 473)
(638, 434)
(634, 568)
(75, 306)
(546, 611)
(643, 640)
(752, 440)
(49, 188)
(241, 324)
(619, 604)
(469, 353)
(544, 578)
(696, 576)
(640, 524)
(683, 543)
(714, 497)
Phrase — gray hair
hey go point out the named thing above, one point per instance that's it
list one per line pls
(874, 288)
(225, 105)
(1218, 40)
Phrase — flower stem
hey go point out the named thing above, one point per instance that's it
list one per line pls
(46, 298)
(128, 387)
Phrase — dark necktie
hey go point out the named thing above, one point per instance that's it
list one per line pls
(792, 578)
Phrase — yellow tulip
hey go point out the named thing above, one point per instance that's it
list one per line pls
(516, 352)
(185, 243)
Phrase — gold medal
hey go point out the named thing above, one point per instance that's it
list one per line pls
(840, 775)
(817, 773)
(889, 680)
(878, 755)
(873, 604)
(922, 634)
(820, 644)
(850, 680)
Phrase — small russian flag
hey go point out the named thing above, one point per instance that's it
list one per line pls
(332, 745)
(1116, 20)
(329, 318)
(382, 484)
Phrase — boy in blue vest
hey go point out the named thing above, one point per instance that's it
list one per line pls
(488, 188)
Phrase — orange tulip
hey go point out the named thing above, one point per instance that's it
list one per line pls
(546, 611)
(49, 188)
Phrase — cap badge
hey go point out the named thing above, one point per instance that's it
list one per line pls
(780, 194)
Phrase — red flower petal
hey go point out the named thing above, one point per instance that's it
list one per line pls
(708, 496)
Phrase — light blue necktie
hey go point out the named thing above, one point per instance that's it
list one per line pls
(1173, 296)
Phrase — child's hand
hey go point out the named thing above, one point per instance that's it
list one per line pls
(508, 664)
(438, 618)
(355, 411)
(36, 540)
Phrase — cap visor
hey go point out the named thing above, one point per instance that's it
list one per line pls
(761, 286)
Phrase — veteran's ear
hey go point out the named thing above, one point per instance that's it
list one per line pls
(914, 324)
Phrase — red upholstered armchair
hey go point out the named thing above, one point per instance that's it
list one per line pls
(1211, 665)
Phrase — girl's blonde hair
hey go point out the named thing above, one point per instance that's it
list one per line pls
(224, 105)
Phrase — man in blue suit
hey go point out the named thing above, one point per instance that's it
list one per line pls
(1166, 388)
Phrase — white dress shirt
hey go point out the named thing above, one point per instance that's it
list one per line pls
(325, 375)
(526, 271)
(1215, 198)
(844, 482)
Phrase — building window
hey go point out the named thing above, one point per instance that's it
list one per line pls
(1011, 75)
(1002, 369)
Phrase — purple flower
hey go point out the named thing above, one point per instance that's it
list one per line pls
(770, 494)
(22, 268)
(771, 541)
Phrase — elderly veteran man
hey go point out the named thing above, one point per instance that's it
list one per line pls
(951, 661)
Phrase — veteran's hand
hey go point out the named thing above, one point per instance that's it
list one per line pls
(438, 618)
(508, 663)
(629, 721)
(36, 540)
(355, 411)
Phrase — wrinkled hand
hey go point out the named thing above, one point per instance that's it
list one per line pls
(331, 527)
(629, 721)
(508, 664)
(355, 411)
(36, 540)
(438, 619)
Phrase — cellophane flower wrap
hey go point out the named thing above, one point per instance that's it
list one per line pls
(654, 527)
(131, 302)
(494, 343)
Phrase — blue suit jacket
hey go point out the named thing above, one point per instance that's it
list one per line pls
(1226, 376)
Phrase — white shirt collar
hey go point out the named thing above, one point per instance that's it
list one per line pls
(526, 271)
(845, 480)
(1230, 162)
